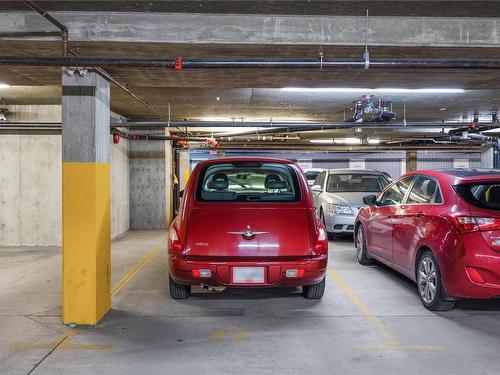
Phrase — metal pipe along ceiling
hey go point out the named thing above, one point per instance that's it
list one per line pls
(276, 126)
(86, 61)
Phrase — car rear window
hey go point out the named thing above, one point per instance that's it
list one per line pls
(356, 182)
(311, 175)
(481, 194)
(248, 182)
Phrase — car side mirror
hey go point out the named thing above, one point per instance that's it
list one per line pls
(181, 193)
(316, 188)
(369, 199)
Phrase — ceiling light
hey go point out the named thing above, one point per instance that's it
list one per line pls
(373, 141)
(4, 85)
(324, 141)
(389, 90)
(348, 141)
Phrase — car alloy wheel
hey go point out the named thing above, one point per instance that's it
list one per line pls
(427, 280)
(359, 243)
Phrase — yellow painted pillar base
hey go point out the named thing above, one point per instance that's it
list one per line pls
(86, 242)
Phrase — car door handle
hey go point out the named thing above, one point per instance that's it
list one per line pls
(420, 214)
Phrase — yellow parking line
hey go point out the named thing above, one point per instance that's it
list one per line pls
(134, 270)
(363, 309)
(217, 336)
(389, 342)
(240, 336)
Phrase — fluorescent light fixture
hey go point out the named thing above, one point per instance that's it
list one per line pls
(348, 141)
(4, 85)
(373, 141)
(323, 141)
(388, 90)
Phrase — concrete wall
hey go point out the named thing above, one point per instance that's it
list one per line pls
(30, 190)
(148, 195)
(30, 183)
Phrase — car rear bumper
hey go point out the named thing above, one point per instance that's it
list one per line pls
(180, 269)
(339, 223)
(474, 257)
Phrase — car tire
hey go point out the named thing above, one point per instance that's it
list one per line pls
(314, 291)
(178, 291)
(361, 250)
(330, 235)
(430, 285)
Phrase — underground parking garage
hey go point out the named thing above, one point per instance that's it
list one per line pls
(249, 187)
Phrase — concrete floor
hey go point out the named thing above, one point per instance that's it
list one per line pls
(370, 321)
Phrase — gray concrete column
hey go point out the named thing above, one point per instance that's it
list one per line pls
(411, 161)
(147, 173)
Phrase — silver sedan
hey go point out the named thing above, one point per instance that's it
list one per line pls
(338, 195)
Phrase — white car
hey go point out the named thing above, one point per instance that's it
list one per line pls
(311, 174)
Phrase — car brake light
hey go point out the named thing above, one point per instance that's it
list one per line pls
(173, 240)
(201, 273)
(321, 245)
(474, 275)
(474, 224)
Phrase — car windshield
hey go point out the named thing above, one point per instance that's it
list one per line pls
(249, 182)
(355, 182)
(483, 195)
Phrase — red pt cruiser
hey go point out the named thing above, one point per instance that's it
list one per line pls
(247, 222)
(439, 228)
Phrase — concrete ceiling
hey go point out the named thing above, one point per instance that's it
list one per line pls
(441, 8)
(257, 94)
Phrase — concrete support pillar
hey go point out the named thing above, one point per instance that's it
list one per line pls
(86, 198)
(148, 190)
(169, 186)
(411, 161)
(490, 157)
(184, 168)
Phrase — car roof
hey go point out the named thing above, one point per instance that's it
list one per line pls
(470, 172)
(353, 171)
(460, 175)
(245, 159)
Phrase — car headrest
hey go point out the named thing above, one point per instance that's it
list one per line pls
(273, 181)
(369, 183)
(494, 194)
(219, 182)
(431, 186)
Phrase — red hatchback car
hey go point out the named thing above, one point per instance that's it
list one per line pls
(247, 222)
(440, 229)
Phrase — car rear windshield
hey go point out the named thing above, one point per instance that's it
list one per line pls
(355, 182)
(248, 182)
(481, 194)
(311, 175)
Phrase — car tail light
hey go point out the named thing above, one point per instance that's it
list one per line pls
(174, 244)
(474, 275)
(295, 273)
(475, 224)
(201, 273)
(321, 245)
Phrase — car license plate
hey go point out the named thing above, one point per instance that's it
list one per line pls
(248, 275)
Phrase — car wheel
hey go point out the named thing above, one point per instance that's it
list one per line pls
(178, 291)
(323, 220)
(361, 252)
(315, 291)
(430, 285)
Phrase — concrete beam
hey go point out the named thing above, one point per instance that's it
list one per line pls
(263, 29)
